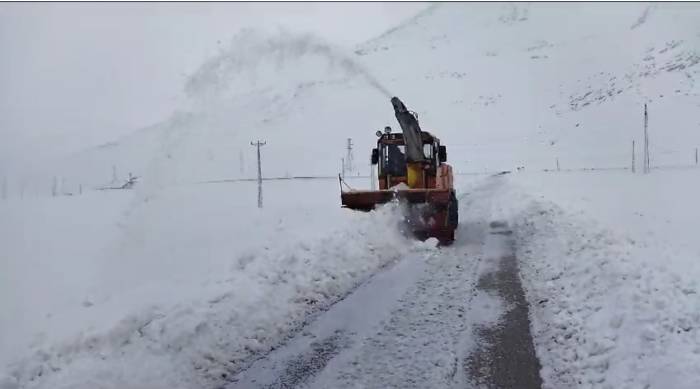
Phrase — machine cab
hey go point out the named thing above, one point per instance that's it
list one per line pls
(390, 156)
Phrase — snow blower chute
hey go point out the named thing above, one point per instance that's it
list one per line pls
(411, 168)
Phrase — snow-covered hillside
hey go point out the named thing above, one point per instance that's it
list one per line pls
(178, 283)
(504, 85)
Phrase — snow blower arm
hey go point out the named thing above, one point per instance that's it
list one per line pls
(413, 141)
(411, 131)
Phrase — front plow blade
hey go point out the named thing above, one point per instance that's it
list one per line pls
(366, 200)
(430, 213)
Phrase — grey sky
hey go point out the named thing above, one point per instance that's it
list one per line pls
(77, 74)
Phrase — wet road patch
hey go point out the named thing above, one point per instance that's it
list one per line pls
(505, 357)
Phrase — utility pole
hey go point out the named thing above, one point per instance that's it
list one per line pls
(241, 163)
(349, 158)
(633, 162)
(114, 174)
(558, 164)
(647, 165)
(696, 155)
(259, 144)
(54, 187)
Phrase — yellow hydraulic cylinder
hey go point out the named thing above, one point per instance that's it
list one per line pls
(414, 175)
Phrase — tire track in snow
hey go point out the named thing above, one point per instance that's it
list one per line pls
(343, 325)
(299, 370)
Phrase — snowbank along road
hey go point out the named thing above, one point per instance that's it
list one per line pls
(453, 317)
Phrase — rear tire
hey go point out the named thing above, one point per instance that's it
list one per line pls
(446, 238)
(453, 211)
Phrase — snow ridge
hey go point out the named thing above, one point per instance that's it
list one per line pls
(266, 296)
(606, 311)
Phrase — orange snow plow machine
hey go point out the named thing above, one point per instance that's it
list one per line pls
(411, 169)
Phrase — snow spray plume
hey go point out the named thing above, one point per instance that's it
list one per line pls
(250, 49)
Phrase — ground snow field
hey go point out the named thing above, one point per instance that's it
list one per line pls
(192, 302)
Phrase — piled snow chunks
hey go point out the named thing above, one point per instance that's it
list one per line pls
(607, 312)
(230, 319)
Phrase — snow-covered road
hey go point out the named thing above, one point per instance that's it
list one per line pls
(420, 322)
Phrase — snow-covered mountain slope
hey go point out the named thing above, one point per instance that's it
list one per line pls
(502, 85)
(532, 83)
